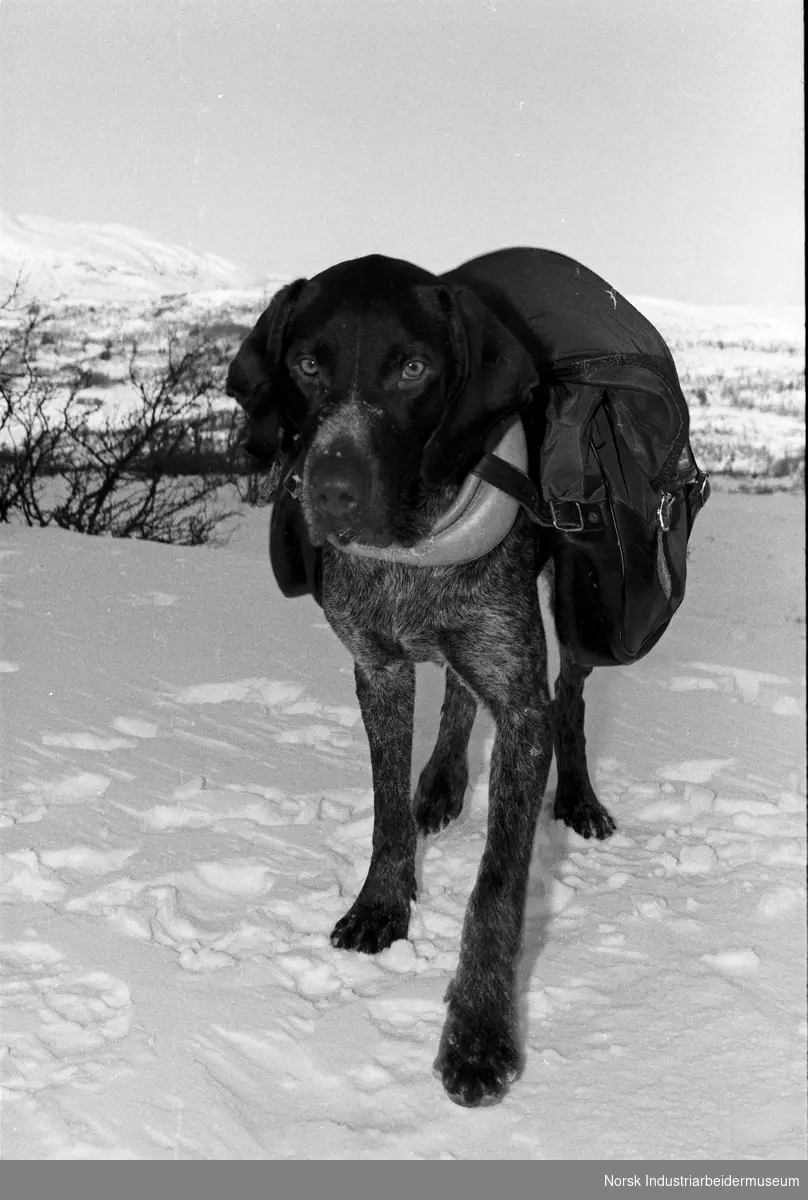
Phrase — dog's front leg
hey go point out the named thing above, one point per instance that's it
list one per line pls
(479, 1053)
(381, 912)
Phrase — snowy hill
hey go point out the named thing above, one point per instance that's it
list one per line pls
(765, 327)
(95, 263)
(742, 368)
(92, 263)
(186, 811)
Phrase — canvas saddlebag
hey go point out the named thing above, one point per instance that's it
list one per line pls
(616, 481)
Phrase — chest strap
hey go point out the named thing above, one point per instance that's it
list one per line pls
(568, 516)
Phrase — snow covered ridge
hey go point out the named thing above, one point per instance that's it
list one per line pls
(742, 367)
(726, 325)
(85, 262)
(92, 262)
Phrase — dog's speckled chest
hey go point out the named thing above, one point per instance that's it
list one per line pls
(412, 612)
(406, 609)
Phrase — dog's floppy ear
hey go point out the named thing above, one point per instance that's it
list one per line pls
(493, 371)
(252, 375)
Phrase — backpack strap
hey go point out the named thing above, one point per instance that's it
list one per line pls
(568, 516)
(679, 474)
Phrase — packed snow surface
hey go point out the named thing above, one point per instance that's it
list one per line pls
(187, 810)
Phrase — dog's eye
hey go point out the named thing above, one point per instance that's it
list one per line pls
(308, 366)
(414, 369)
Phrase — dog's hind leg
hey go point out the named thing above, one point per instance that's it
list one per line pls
(575, 801)
(443, 782)
(381, 911)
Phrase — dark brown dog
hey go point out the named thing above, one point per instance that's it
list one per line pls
(390, 378)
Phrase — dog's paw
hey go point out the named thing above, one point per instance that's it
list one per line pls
(370, 927)
(477, 1059)
(583, 812)
(438, 799)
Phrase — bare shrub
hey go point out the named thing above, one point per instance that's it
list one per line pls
(154, 472)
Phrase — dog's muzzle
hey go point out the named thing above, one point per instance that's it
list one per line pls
(475, 523)
(339, 484)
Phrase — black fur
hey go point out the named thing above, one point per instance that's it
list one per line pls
(383, 456)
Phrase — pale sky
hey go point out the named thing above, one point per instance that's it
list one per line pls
(657, 141)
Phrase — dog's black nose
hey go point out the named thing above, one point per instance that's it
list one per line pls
(339, 484)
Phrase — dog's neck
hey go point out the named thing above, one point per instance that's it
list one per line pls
(462, 522)
(435, 504)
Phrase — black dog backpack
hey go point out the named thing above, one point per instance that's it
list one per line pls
(612, 473)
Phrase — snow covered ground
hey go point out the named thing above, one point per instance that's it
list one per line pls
(187, 810)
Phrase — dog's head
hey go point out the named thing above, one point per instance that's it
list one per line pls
(390, 378)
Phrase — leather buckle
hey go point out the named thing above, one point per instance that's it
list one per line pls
(563, 522)
(292, 481)
(664, 511)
